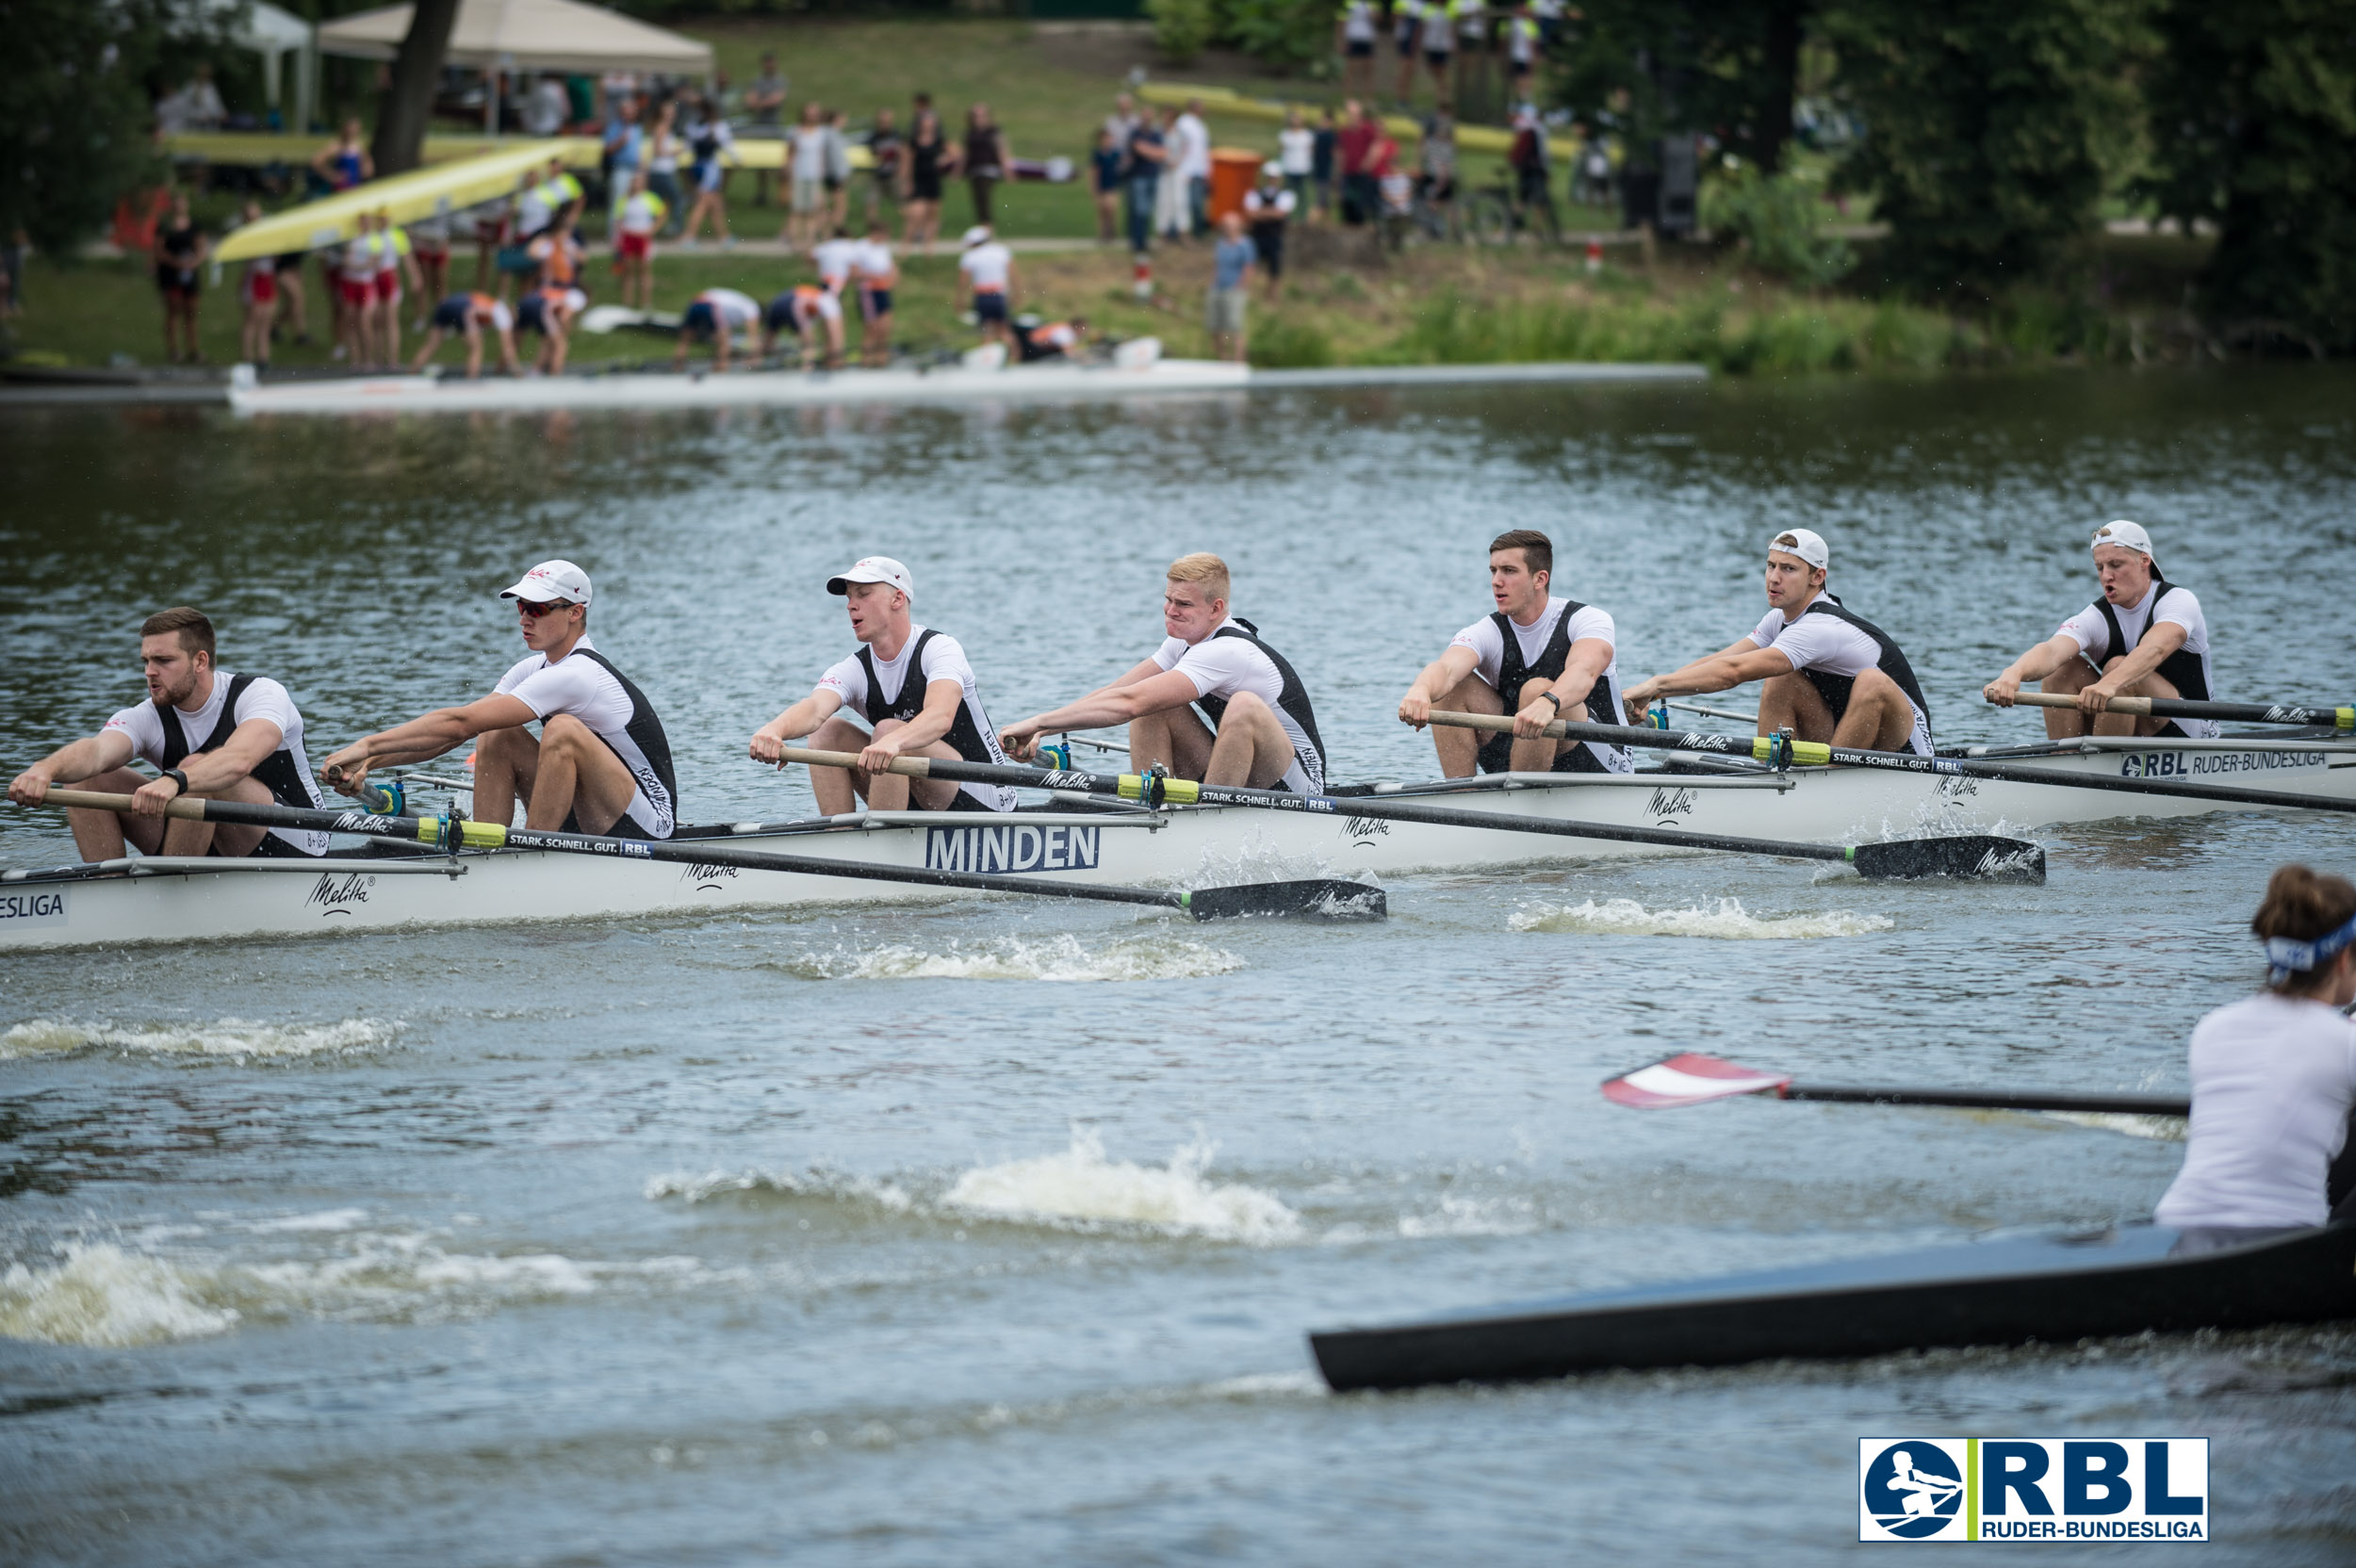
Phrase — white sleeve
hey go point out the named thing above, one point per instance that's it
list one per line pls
(1770, 628)
(1593, 623)
(848, 680)
(515, 673)
(1167, 655)
(265, 698)
(578, 686)
(2178, 607)
(146, 731)
(1488, 646)
(944, 660)
(2090, 631)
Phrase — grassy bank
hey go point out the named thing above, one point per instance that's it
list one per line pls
(1436, 305)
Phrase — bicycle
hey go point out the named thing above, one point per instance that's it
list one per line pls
(1495, 214)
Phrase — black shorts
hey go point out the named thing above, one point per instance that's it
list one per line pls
(924, 188)
(1358, 50)
(180, 281)
(1496, 756)
(989, 307)
(625, 826)
(1268, 243)
(874, 302)
(450, 316)
(1438, 58)
(272, 847)
(699, 321)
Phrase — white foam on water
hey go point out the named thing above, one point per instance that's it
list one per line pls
(100, 1294)
(1726, 919)
(233, 1038)
(2160, 1129)
(1080, 1185)
(1062, 958)
(1472, 1217)
(326, 1220)
(695, 1188)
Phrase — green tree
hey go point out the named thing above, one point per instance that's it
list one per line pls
(1993, 128)
(2253, 129)
(75, 113)
(1730, 67)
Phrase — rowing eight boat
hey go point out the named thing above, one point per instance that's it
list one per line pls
(157, 899)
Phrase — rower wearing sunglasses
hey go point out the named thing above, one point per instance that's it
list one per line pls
(600, 763)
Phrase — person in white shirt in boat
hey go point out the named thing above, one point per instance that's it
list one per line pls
(917, 693)
(600, 763)
(214, 735)
(1254, 727)
(2145, 637)
(1538, 657)
(1827, 674)
(2274, 1077)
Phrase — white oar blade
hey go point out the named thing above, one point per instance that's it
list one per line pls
(1686, 1079)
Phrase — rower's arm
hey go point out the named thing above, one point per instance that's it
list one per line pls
(2157, 644)
(424, 738)
(1439, 677)
(941, 701)
(2036, 664)
(1118, 703)
(70, 764)
(1732, 666)
(247, 745)
(797, 721)
(1590, 657)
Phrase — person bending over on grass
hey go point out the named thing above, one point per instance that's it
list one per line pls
(468, 314)
(812, 314)
(716, 314)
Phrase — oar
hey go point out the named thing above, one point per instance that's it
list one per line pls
(1691, 1078)
(1907, 859)
(1764, 748)
(1325, 899)
(2178, 707)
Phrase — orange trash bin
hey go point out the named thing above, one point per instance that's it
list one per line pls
(1233, 172)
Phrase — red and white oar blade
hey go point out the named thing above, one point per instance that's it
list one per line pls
(1686, 1079)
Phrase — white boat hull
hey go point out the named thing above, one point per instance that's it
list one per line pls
(1181, 846)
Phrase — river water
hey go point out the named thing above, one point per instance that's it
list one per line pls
(985, 1233)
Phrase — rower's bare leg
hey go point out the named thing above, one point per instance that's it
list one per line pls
(1176, 738)
(1252, 749)
(2075, 676)
(1879, 717)
(1459, 750)
(100, 835)
(837, 789)
(893, 792)
(2152, 685)
(1793, 702)
(506, 762)
(230, 839)
(578, 776)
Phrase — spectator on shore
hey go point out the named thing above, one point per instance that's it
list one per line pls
(808, 166)
(293, 305)
(1360, 200)
(930, 162)
(764, 102)
(1355, 30)
(1406, 35)
(181, 247)
(345, 161)
(257, 292)
(877, 275)
(196, 106)
(884, 149)
(546, 109)
(1194, 165)
(986, 274)
(1269, 207)
(1323, 143)
(1231, 281)
(662, 155)
(1107, 168)
(429, 239)
(1593, 175)
(1123, 119)
(1521, 52)
(625, 154)
(397, 262)
(1439, 52)
(712, 145)
(640, 220)
(988, 158)
(837, 171)
(1533, 163)
(1170, 191)
(468, 314)
(356, 284)
(1143, 171)
(1436, 160)
(1297, 154)
(717, 315)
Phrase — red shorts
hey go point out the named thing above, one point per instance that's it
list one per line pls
(634, 247)
(260, 287)
(355, 291)
(387, 287)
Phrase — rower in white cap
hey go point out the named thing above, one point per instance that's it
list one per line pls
(2145, 637)
(600, 763)
(917, 692)
(986, 271)
(1827, 674)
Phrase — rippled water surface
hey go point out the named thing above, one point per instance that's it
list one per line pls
(987, 1232)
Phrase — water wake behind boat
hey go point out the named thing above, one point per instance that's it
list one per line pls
(229, 1038)
(1726, 919)
(1062, 958)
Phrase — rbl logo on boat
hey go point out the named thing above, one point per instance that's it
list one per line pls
(2084, 1489)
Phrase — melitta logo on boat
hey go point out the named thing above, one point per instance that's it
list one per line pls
(45, 907)
(1012, 847)
(2184, 764)
(2080, 1488)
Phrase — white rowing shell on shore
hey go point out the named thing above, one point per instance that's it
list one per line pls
(178, 900)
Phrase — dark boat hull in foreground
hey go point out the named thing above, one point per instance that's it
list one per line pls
(2050, 1290)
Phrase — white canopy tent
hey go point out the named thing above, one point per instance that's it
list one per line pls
(273, 33)
(527, 35)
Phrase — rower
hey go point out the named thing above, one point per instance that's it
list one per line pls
(214, 735)
(550, 311)
(1256, 728)
(2274, 1078)
(716, 313)
(1538, 657)
(468, 314)
(2145, 637)
(1827, 674)
(917, 692)
(1050, 340)
(809, 313)
(600, 764)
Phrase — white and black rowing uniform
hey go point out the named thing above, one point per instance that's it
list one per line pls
(586, 685)
(1832, 646)
(894, 689)
(2102, 630)
(1232, 660)
(162, 734)
(1510, 655)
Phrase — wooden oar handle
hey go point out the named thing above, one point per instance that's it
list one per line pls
(94, 800)
(2141, 707)
(1499, 722)
(910, 767)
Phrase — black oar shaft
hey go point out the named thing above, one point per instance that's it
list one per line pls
(2343, 717)
(1994, 1099)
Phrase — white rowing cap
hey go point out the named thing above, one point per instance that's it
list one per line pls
(1808, 545)
(551, 580)
(2126, 535)
(873, 568)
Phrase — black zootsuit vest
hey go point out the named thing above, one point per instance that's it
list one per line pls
(645, 730)
(1291, 695)
(1514, 672)
(1834, 689)
(2181, 668)
(964, 736)
(277, 773)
